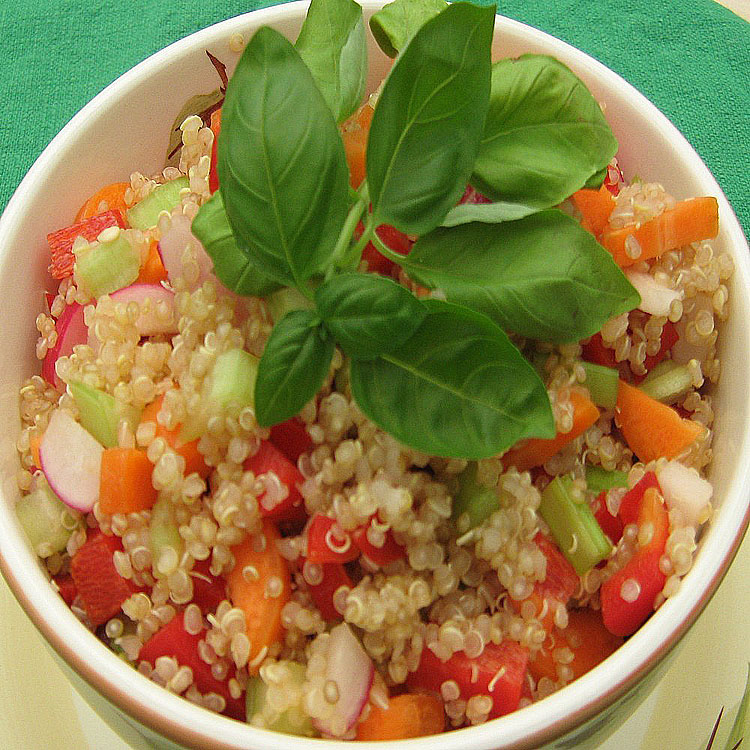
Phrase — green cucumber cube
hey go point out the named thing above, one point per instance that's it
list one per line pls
(47, 521)
(105, 267)
(145, 214)
(101, 413)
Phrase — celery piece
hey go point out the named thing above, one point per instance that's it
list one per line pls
(473, 502)
(668, 382)
(107, 266)
(145, 213)
(576, 531)
(47, 521)
(285, 300)
(602, 383)
(164, 537)
(101, 413)
(599, 479)
(293, 720)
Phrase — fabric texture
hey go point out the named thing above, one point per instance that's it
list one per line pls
(691, 58)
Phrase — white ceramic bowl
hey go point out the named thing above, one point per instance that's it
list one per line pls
(125, 129)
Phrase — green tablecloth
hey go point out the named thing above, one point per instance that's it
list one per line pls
(690, 57)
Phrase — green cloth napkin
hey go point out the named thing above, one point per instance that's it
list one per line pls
(691, 58)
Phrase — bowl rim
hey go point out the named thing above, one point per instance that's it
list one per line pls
(173, 716)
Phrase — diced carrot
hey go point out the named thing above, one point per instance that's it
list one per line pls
(194, 460)
(651, 429)
(689, 221)
(595, 207)
(125, 481)
(535, 451)
(110, 197)
(152, 271)
(260, 585)
(586, 638)
(213, 175)
(34, 442)
(354, 133)
(61, 241)
(408, 715)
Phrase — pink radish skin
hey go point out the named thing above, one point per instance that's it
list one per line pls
(352, 670)
(172, 247)
(71, 461)
(71, 331)
(148, 296)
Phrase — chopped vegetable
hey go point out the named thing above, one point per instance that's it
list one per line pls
(71, 331)
(152, 270)
(669, 338)
(165, 541)
(155, 304)
(685, 489)
(379, 547)
(610, 524)
(293, 719)
(292, 438)
(323, 592)
(281, 501)
(213, 177)
(631, 501)
(327, 543)
(110, 197)
(598, 479)
(209, 591)
(474, 502)
(46, 520)
(354, 133)
(407, 715)
(595, 351)
(602, 384)
(656, 298)
(125, 485)
(668, 382)
(101, 413)
(595, 207)
(145, 213)
(111, 264)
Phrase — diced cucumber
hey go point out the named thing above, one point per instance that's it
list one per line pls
(145, 213)
(47, 521)
(165, 540)
(474, 502)
(101, 413)
(107, 266)
(598, 479)
(602, 383)
(292, 720)
(668, 382)
(573, 525)
(285, 300)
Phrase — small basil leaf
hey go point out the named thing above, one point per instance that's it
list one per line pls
(428, 121)
(394, 24)
(368, 314)
(543, 277)
(201, 105)
(545, 134)
(332, 44)
(293, 367)
(281, 162)
(489, 213)
(233, 266)
(596, 179)
(458, 388)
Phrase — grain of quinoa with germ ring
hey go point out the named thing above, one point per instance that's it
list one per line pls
(298, 453)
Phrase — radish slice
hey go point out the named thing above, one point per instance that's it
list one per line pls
(683, 488)
(656, 299)
(148, 297)
(71, 331)
(352, 670)
(71, 461)
(172, 246)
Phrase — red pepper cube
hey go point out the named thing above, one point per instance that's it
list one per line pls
(630, 505)
(292, 438)
(208, 590)
(387, 552)
(610, 525)
(270, 460)
(327, 543)
(332, 576)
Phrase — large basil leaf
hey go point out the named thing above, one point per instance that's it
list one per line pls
(457, 387)
(428, 122)
(281, 162)
(233, 266)
(545, 135)
(394, 24)
(332, 44)
(293, 367)
(542, 277)
(368, 314)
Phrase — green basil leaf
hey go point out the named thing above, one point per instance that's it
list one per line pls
(488, 213)
(543, 277)
(394, 24)
(545, 134)
(428, 121)
(281, 162)
(457, 387)
(596, 179)
(293, 367)
(368, 314)
(332, 44)
(233, 266)
(200, 105)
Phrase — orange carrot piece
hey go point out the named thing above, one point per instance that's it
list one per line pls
(586, 637)
(354, 133)
(408, 715)
(651, 429)
(152, 271)
(194, 460)
(595, 207)
(110, 197)
(535, 451)
(125, 482)
(689, 221)
(213, 176)
(262, 593)
(34, 442)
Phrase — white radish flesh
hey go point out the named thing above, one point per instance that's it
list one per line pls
(71, 461)
(684, 489)
(656, 299)
(71, 331)
(156, 303)
(172, 248)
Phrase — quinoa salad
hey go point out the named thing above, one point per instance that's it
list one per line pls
(333, 460)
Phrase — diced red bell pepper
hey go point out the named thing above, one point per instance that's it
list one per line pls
(334, 577)
(499, 672)
(595, 352)
(473, 197)
(61, 241)
(389, 552)
(208, 590)
(66, 587)
(609, 524)
(394, 240)
(213, 176)
(669, 338)
(173, 640)
(630, 505)
(292, 438)
(101, 589)
(270, 459)
(614, 179)
(326, 544)
(641, 580)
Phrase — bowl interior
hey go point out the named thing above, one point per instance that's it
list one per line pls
(125, 129)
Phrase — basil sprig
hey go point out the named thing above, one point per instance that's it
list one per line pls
(440, 376)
